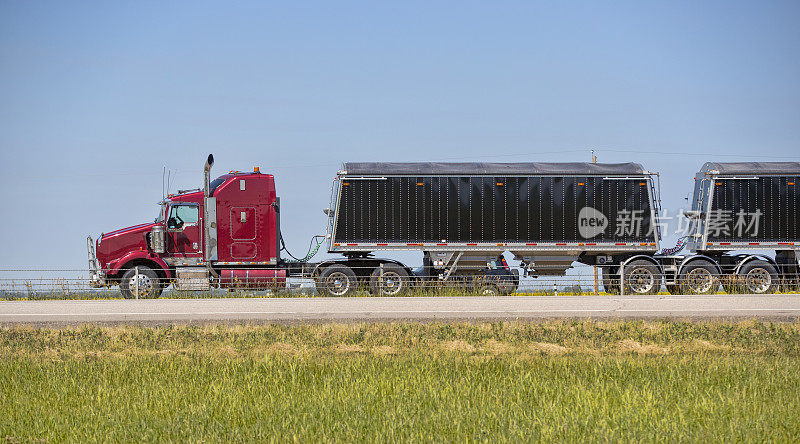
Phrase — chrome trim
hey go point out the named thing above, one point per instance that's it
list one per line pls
(97, 278)
(270, 262)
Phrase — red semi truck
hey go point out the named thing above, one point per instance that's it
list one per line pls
(461, 216)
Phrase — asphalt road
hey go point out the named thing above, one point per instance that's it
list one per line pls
(374, 309)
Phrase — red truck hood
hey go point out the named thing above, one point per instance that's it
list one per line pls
(116, 244)
(135, 228)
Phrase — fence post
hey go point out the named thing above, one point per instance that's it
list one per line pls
(596, 287)
(380, 281)
(136, 282)
(622, 279)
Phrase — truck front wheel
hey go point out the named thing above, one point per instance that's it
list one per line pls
(337, 280)
(140, 282)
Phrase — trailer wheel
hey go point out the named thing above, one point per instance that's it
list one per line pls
(394, 281)
(337, 280)
(611, 279)
(641, 277)
(142, 282)
(699, 277)
(758, 277)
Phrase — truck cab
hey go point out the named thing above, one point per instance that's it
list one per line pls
(200, 237)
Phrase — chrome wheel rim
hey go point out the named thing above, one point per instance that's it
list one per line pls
(338, 283)
(391, 283)
(699, 280)
(640, 280)
(758, 280)
(489, 291)
(144, 287)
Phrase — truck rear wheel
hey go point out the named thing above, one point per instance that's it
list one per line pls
(758, 277)
(140, 282)
(391, 281)
(337, 280)
(641, 277)
(699, 277)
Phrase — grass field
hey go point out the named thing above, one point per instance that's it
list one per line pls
(593, 381)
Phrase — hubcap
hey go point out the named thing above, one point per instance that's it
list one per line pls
(758, 280)
(338, 283)
(145, 285)
(640, 280)
(699, 280)
(391, 283)
(489, 291)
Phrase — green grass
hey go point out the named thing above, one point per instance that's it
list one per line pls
(570, 380)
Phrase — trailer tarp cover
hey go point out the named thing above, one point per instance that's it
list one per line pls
(789, 168)
(498, 169)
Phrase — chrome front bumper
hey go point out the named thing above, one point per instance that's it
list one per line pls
(97, 278)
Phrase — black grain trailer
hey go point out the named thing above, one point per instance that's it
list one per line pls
(743, 230)
(462, 216)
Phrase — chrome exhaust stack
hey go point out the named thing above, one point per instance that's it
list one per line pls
(207, 175)
(209, 218)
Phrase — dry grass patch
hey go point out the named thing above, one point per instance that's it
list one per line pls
(548, 348)
(281, 348)
(383, 350)
(631, 346)
(495, 347)
(458, 346)
(349, 348)
(703, 345)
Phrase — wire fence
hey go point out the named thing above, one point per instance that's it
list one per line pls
(392, 280)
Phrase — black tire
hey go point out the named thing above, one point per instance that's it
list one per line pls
(758, 277)
(337, 280)
(611, 279)
(641, 277)
(150, 285)
(488, 290)
(395, 281)
(699, 277)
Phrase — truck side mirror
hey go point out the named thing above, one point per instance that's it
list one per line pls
(174, 223)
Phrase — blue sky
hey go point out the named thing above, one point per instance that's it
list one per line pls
(96, 97)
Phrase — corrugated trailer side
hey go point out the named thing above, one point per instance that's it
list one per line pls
(748, 205)
(521, 207)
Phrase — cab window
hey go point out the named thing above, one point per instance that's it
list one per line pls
(182, 215)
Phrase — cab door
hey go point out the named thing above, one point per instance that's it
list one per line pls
(184, 238)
